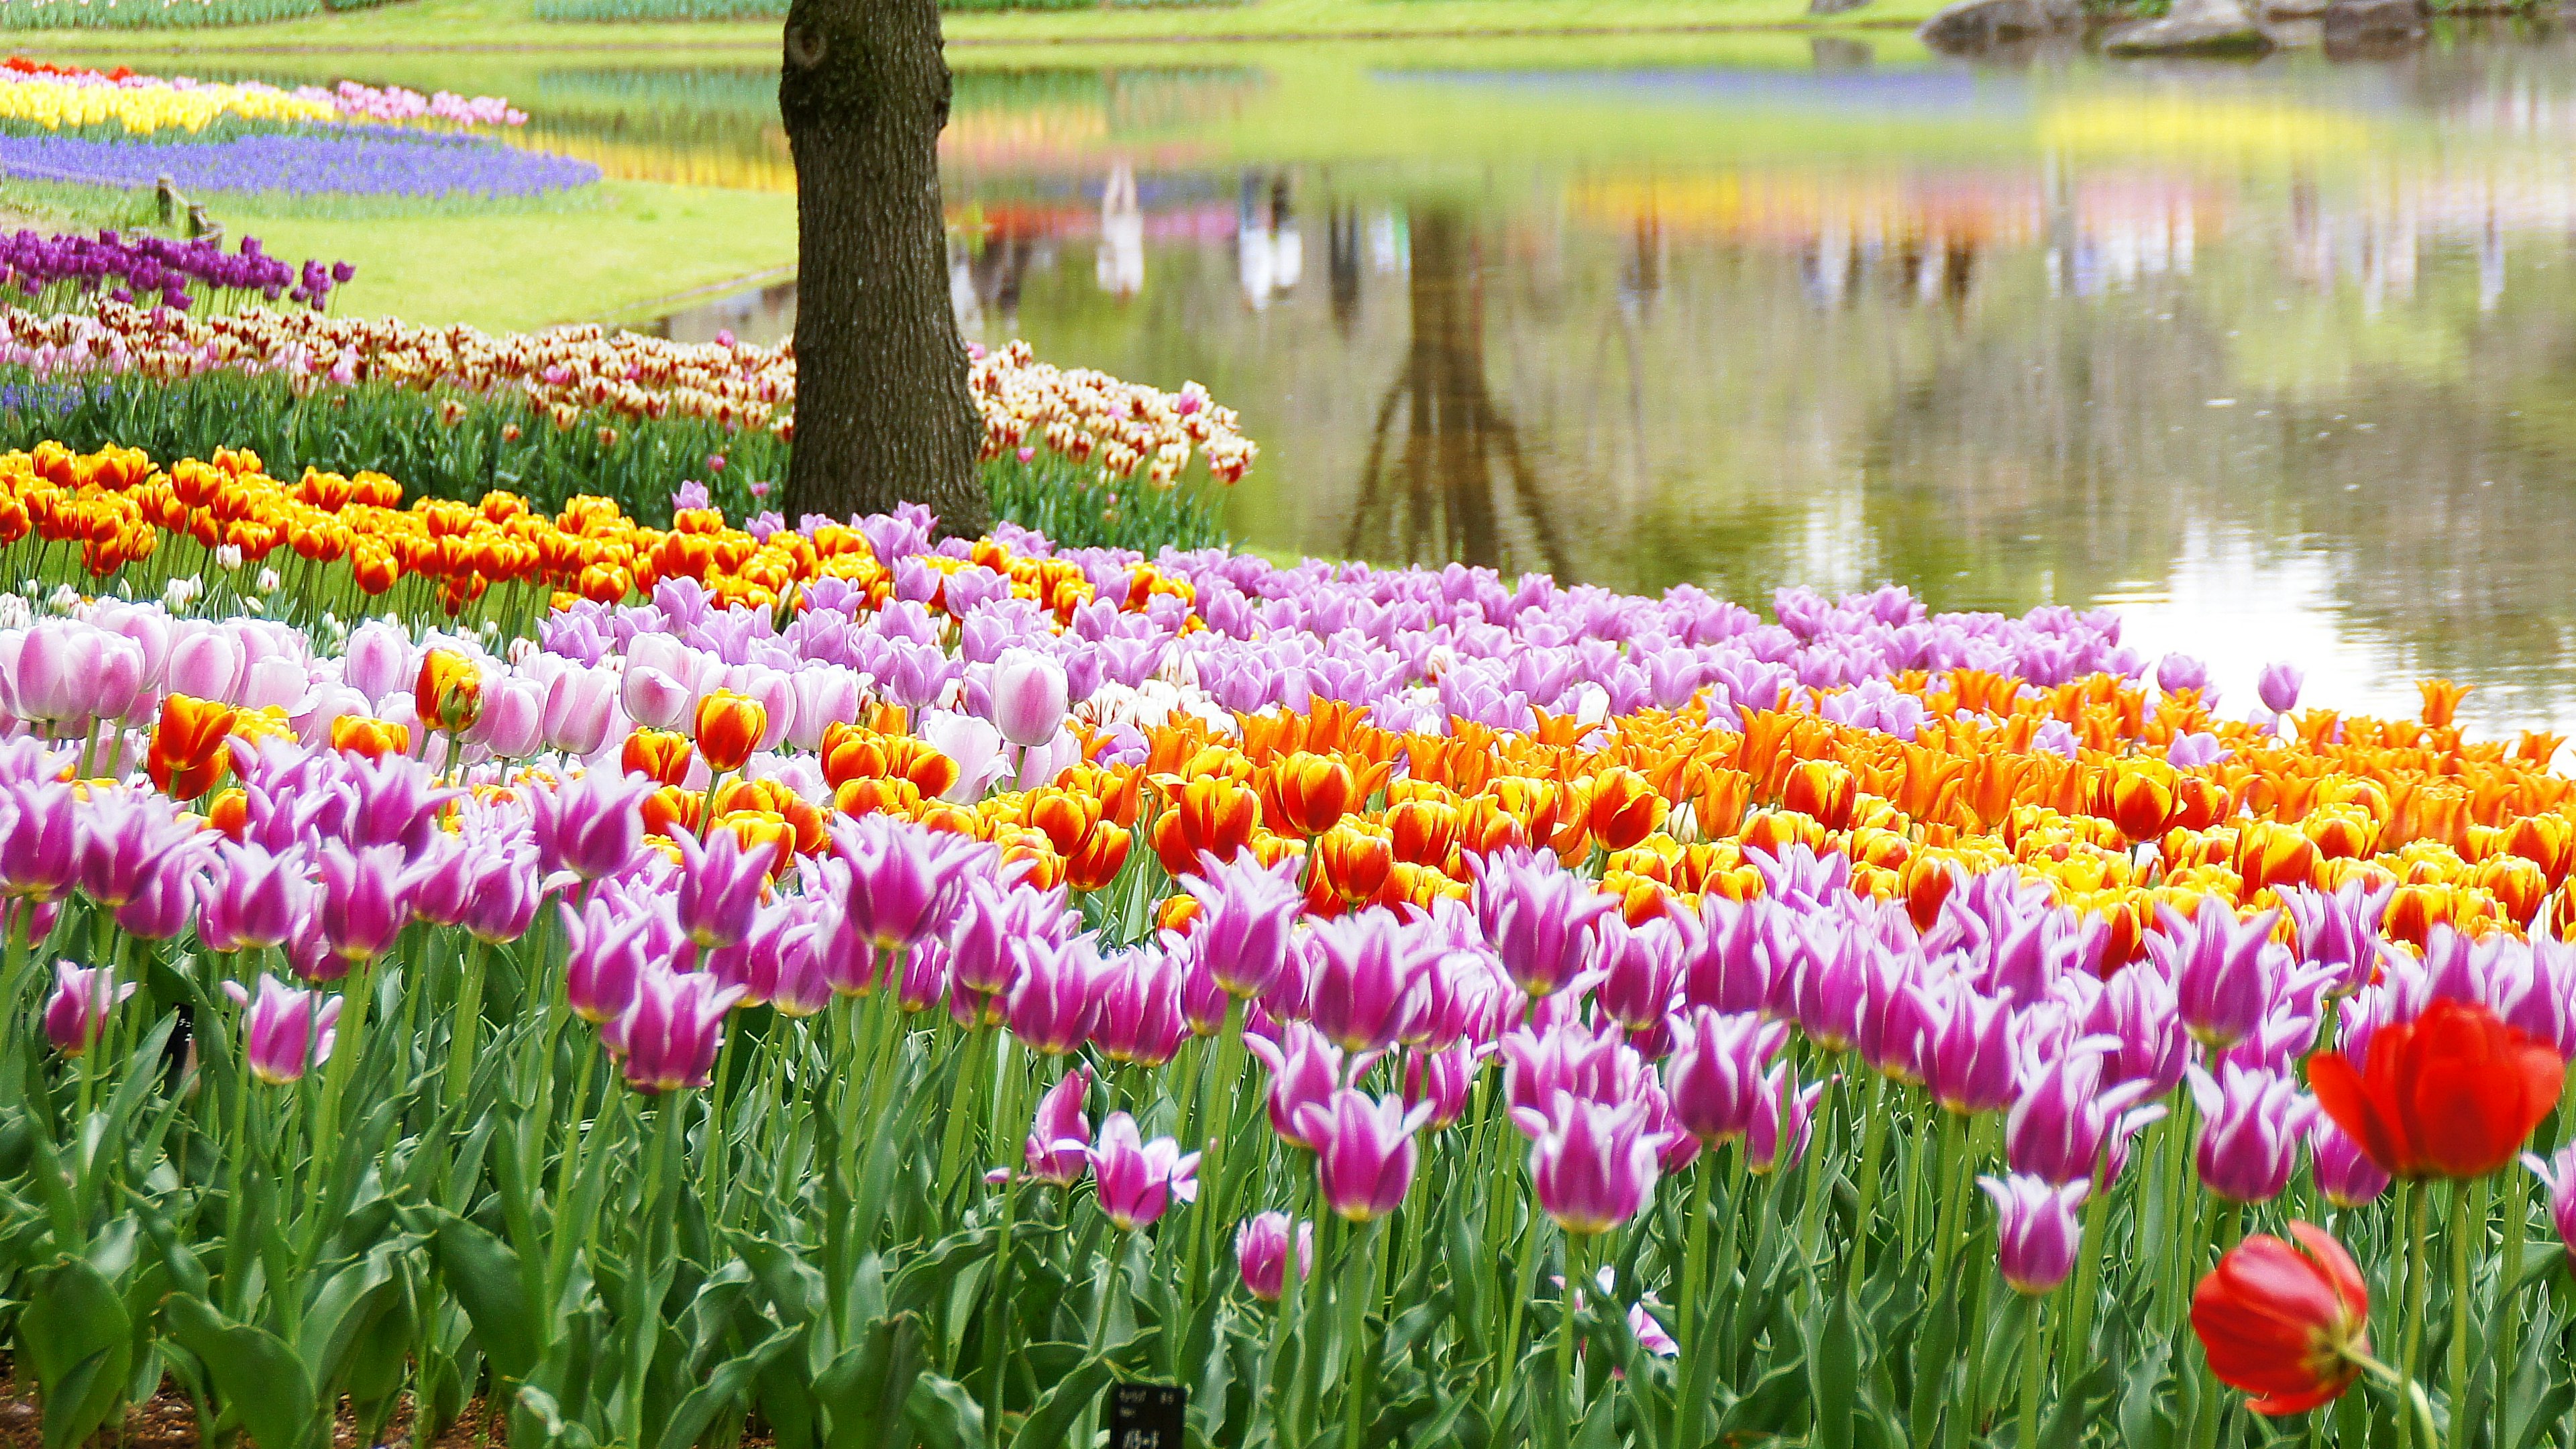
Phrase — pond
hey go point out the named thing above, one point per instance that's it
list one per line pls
(2280, 357)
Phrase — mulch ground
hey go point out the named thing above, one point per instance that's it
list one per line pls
(169, 1421)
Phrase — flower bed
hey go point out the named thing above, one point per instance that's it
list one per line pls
(61, 272)
(456, 413)
(50, 96)
(371, 161)
(879, 979)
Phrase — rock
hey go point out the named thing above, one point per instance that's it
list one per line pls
(2294, 9)
(1966, 26)
(2374, 20)
(2294, 34)
(1833, 7)
(2194, 27)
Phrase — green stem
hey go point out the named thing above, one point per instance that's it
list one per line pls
(997, 1334)
(2418, 1208)
(2461, 1429)
(2508, 1309)
(1568, 1388)
(2088, 1273)
(469, 1022)
(1873, 1142)
(2034, 1357)
(1687, 1308)
(644, 1314)
(1359, 1285)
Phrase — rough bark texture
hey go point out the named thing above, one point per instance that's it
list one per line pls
(883, 415)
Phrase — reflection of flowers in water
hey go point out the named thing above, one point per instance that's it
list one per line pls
(2193, 124)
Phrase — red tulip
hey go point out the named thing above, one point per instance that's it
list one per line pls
(2286, 1323)
(2453, 1093)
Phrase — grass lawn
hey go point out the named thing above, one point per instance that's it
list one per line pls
(512, 25)
(642, 243)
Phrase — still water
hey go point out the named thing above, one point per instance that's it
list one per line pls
(2279, 358)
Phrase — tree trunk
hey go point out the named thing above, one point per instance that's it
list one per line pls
(883, 414)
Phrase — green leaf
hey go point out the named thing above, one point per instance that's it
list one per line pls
(1933, 1348)
(863, 1390)
(484, 1274)
(340, 1311)
(260, 1380)
(77, 1340)
(2076, 1403)
(941, 1412)
(1835, 1354)
(1047, 1423)
(690, 1418)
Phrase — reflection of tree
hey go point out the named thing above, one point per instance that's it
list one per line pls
(1454, 484)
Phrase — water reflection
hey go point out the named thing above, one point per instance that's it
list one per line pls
(2282, 357)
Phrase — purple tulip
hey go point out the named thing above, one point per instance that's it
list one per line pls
(1056, 996)
(603, 959)
(2251, 1123)
(1059, 1140)
(1364, 1151)
(1245, 911)
(283, 1037)
(783, 966)
(1640, 973)
(1727, 961)
(1138, 1180)
(1540, 918)
(2340, 929)
(668, 1036)
(1305, 1071)
(2344, 1173)
(2558, 1174)
(1715, 1077)
(2036, 1233)
(76, 1014)
(2067, 1126)
(363, 907)
(2225, 972)
(1367, 987)
(2138, 1013)
(2178, 672)
(1968, 1059)
(502, 902)
(2278, 685)
(1769, 1144)
(720, 884)
(1442, 1079)
(1593, 1165)
(1261, 1253)
(591, 826)
(1140, 1009)
(40, 834)
(904, 878)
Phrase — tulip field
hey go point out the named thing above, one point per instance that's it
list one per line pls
(521, 971)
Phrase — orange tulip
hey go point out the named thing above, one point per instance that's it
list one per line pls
(661, 755)
(1210, 815)
(357, 734)
(449, 693)
(1423, 832)
(1624, 808)
(2138, 796)
(1821, 789)
(2441, 700)
(1353, 861)
(1310, 793)
(187, 756)
(728, 729)
(1102, 855)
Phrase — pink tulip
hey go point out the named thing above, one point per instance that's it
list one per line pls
(1261, 1254)
(282, 1035)
(1139, 1180)
(1059, 1141)
(1364, 1151)
(76, 1015)
(1029, 697)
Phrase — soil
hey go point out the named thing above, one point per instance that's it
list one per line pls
(169, 1421)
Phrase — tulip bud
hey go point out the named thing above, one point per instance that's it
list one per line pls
(1261, 1252)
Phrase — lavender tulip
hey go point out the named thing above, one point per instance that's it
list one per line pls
(2250, 1131)
(1261, 1254)
(283, 1034)
(1059, 1140)
(1138, 1181)
(1593, 1165)
(76, 1014)
(2037, 1231)
(669, 1034)
(1364, 1151)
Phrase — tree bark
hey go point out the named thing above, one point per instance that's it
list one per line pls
(883, 414)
